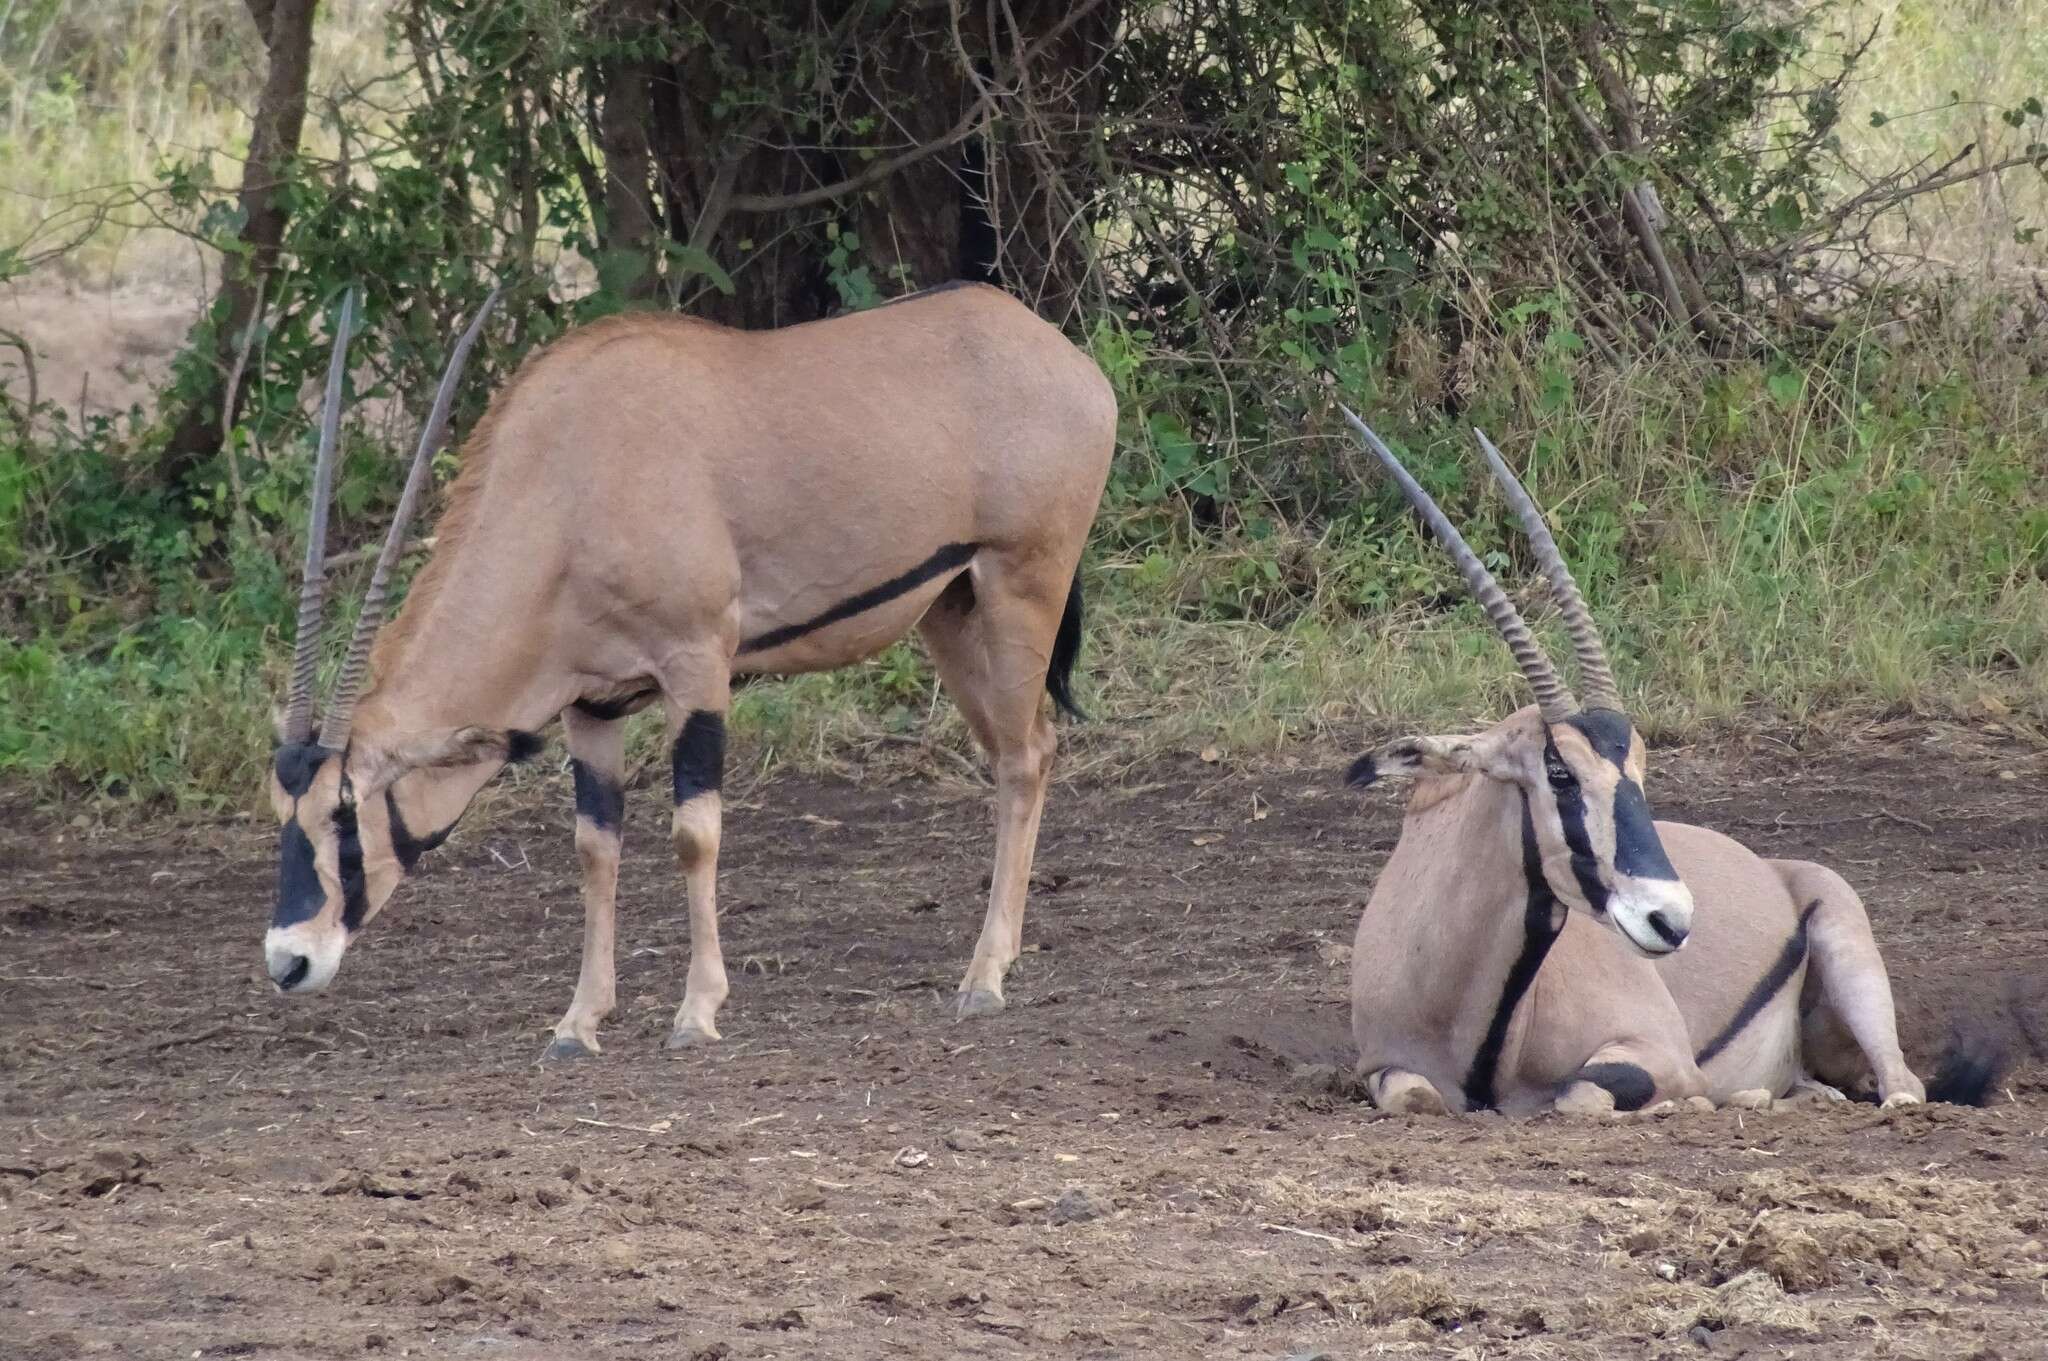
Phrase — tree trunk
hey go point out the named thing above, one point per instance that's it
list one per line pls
(286, 27)
(980, 169)
(628, 230)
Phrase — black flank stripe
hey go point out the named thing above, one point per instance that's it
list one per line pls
(950, 558)
(1788, 962)
(609, 709)
(407, 847)
(598, 798)
(1540, 925)
(699, 755)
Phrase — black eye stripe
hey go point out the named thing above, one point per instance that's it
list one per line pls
(1571, 815)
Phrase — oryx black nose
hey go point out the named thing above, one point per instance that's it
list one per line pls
(290, 971)
(1673, 936)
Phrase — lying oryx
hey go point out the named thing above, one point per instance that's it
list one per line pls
(1482, 977)
(655, 505)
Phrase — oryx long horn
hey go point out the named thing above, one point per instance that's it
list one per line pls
(298, 705)
(1555, 701)
(341, 708)
(1601, 691)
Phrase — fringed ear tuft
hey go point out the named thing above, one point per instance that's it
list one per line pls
(1363, 772)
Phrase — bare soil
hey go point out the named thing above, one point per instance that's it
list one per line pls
(1154, 1152)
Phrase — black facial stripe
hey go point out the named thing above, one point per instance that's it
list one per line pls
(355, 891)
(606, 710)
(699, 755)
(1607, 732)
(598, 797)
(1630, 1086)
(1787, 964)
(1571, 813)
(404, 844)
(299, 894)
(1638, 850)
(1541, 921)
(297, 764)
(947, 559)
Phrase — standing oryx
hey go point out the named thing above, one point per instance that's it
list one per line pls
(654, 505)
(1482, 976)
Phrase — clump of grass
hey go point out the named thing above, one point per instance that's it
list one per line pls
(1868, 534)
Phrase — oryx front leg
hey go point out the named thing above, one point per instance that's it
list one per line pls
(1401, 1092)
(1629, 1077)
(697, 747)
(990, 636)
(597, 759)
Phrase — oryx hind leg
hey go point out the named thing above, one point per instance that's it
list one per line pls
(697, 703)
(1630, 1076)
(1402, 1092)
(597, 762)
(991, 638)
(1854, 992)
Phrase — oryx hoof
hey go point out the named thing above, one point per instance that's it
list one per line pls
(979, 1002)
(1418, 1099)
(1700, 1105)
(1753, 1099)
(690, 1035)
(1898, 1099)
(569, 1047)
(1586, 1101)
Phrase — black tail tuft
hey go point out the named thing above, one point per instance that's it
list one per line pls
(1970, 1068)
(1066, 650)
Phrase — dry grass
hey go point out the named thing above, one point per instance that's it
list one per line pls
(96, 98)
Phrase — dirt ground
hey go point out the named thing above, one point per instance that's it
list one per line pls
(1152, 1153)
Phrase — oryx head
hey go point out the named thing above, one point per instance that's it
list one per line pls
(1579, 768)
(343, 845)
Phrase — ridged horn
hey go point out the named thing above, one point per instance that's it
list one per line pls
(1598, 676)
(1552, 697)
(355, 665)
(298, 705)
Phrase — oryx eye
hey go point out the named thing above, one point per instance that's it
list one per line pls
(1560, 774)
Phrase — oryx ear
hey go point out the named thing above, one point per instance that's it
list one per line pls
(1408, 757)
(375, 768)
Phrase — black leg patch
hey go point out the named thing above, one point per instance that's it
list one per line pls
(1629, 1085)
(699, 755)
(598, 797)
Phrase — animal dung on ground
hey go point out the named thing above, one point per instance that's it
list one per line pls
(1078, 1205)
